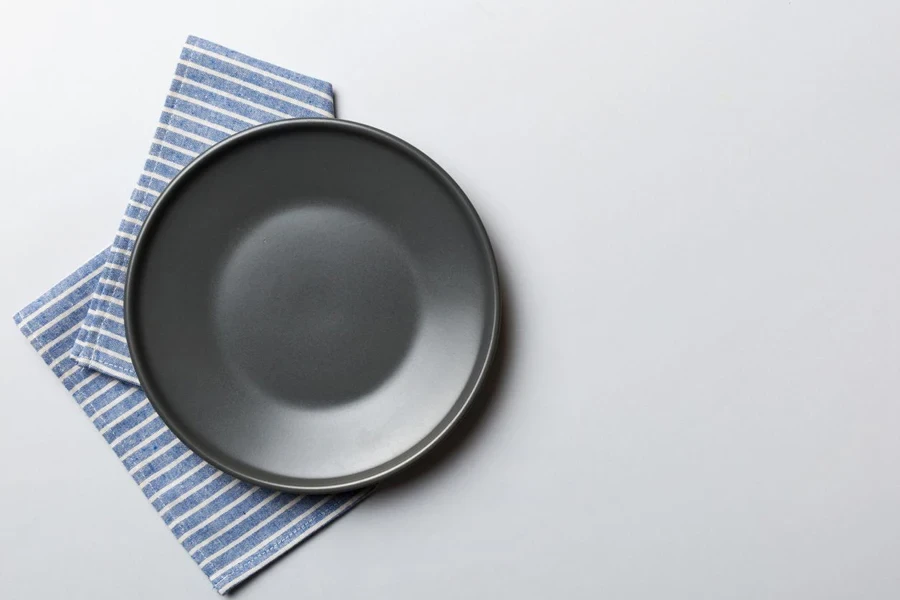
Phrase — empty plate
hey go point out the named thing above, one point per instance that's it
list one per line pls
(312, 304)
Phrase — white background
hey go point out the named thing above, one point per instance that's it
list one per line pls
(696, 209)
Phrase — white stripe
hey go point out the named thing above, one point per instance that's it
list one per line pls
(97, 348)
(198, 120)
(194, 136)
(146, 190)
(308, 532)
(107, 315)
(196, 549)
(53, 342)
(117, 284)
(129, 236)
(105, 333)
(61, 296)
(117, 267)
(110, 299)
(71, 372)
(153, 456)
(256, 528)
(214, 108)
(258, 71)
(163, 161)
(159, 176)
(114, 403)
(106, 370)
(205, 503)
(258, 88)
(147, 420)
(124, 416)
(97, 394)
(244, 101)
(274, 536)
(219, 512)
(58, 360)
(120, 250)
(175, 501)
(175, 482)
(172, 465)
(139, 205)
(83, 382)
(175, 147)
(143, 443)
(59, 318)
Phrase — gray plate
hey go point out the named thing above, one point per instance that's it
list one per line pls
(312, 304)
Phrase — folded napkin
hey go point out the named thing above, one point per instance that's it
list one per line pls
(230, 528)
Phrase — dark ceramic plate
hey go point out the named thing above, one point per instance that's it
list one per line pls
(312, 304)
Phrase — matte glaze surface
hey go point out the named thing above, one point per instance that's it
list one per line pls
(312, 304)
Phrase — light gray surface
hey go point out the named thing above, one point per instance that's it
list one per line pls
(696, 207)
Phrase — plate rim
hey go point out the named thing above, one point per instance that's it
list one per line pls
(459, 408)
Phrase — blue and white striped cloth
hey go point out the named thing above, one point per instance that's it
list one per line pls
(230, 528)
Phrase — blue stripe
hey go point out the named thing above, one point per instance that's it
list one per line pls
(105, 305)
(113, 327)
(155, 167)
(205, 472)
(121, 242)
(89, 389)
(52, 351)
(171, 155)
(148, 449)
(180, 140)
(243, 110)
(123, 406)
(104, 400)
(175, 512)
(102, 356)
(115, 292)
(177, 451)
(216, 117)
(128, 423)
(63, 366)
(137, 438)
(143, 197)
(115, 345)
(77, 377)
(134, 212)
(184, 464)
(50, 337)
(192, 127)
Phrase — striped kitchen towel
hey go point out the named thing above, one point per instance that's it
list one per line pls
(230, 528)
(215, 93)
